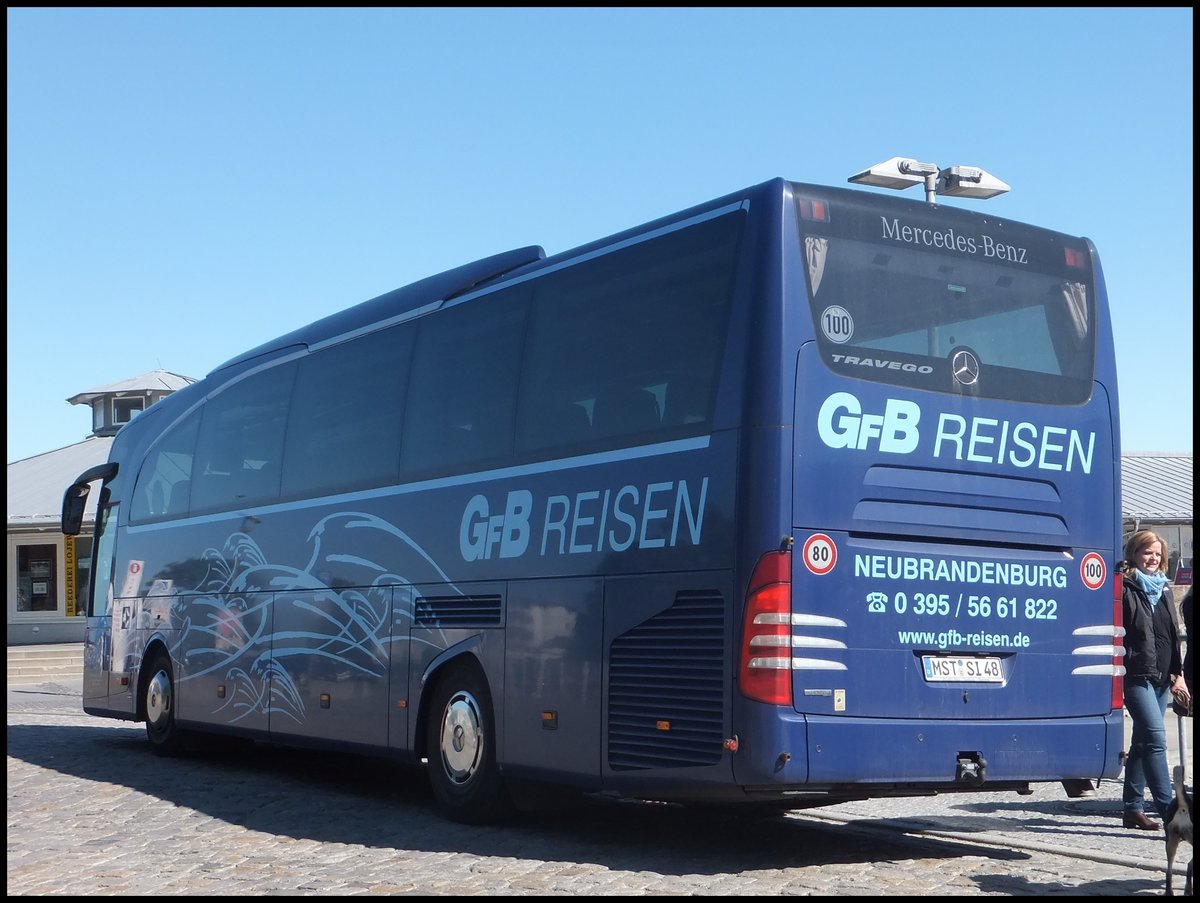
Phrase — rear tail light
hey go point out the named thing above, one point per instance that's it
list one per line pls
(765, 669)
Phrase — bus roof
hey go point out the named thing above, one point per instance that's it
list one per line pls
(397, 304)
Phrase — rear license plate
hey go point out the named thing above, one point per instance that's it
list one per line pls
(959, 669)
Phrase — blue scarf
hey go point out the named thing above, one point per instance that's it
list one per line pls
(1151, 584)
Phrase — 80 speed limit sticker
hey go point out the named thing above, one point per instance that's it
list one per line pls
(820, 554)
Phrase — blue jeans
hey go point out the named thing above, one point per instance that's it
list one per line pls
(1147, 763)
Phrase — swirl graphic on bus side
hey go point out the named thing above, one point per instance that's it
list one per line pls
(260, 624)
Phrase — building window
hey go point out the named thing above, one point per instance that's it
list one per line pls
(37, 578)
(125, 409)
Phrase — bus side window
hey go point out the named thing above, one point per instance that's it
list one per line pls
(162, 484)
(158, 504)
(572, 425)
(554, 424)
(240, 445)
(462, 391)
(686, 402)
(254, 480)
(347, 408)
(624, 410)
(177, 500)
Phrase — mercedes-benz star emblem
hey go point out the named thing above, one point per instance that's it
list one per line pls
(965, 367)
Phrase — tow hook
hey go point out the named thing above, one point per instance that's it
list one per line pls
(971, 770)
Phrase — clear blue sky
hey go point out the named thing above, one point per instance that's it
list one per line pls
(186, 184)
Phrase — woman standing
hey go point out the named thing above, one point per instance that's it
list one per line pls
(1153, 673)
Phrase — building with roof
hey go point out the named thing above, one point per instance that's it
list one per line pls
(1156, 494)
(116, 404)
(48, 572)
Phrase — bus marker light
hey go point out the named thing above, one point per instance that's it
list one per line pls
(550, 721)
(221, 692)
(324, 700)
(817, 211)
(663, 725)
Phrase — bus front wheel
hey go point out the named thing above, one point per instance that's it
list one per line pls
(461, 748)
(158, 699)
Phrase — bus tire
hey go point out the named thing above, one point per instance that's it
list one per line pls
(461, 749)
(158, 699)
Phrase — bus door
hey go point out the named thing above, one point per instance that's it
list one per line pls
(106, 678)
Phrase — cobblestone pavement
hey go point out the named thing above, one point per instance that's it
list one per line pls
(91, 810)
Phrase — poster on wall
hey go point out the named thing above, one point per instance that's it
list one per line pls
(1183, 573)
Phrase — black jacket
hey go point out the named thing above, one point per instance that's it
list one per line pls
(1141, 658)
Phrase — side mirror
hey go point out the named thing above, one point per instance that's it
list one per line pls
(74, 502)
(75, 498)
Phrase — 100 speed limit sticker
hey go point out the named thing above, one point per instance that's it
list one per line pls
(1093, 571)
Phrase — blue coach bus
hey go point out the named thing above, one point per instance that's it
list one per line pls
(800, 495)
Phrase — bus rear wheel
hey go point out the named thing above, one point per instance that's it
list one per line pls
(158, 700)
(461, 748)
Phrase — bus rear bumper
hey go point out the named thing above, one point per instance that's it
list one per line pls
(967, 755)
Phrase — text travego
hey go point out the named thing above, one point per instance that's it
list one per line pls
(881, 363)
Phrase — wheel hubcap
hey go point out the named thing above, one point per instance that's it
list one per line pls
(158, 699)
(462, 737)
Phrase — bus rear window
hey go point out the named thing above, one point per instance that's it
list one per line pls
(950, 322)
